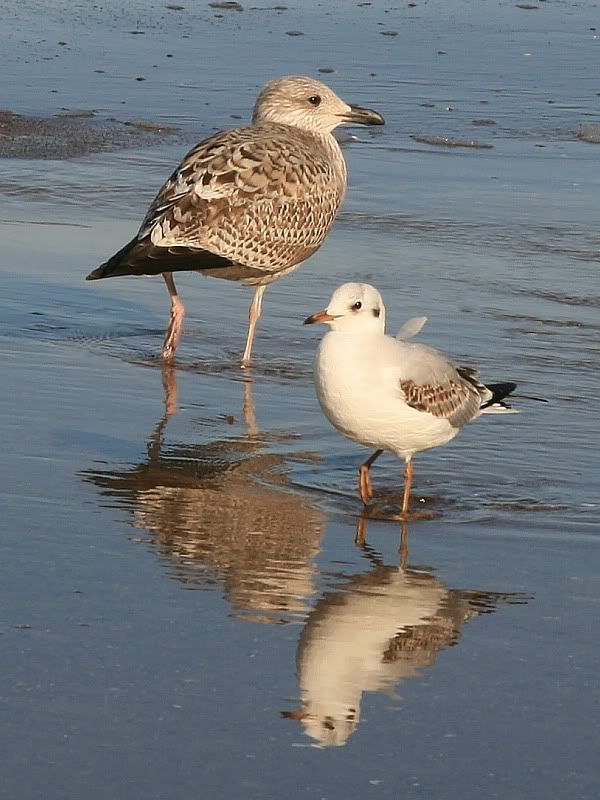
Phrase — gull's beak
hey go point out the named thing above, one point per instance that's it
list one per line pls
(297, 713)
(320, 316)
(363, 116)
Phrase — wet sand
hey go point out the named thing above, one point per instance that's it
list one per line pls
(184, 609)
(73, 134)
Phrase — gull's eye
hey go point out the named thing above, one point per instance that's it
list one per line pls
(357, 306)
(315, 100)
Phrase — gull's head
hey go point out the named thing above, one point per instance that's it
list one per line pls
(328, 721)
(308, 104)
(353, 308)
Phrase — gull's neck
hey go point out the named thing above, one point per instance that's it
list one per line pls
(360, 334)
(331, 144)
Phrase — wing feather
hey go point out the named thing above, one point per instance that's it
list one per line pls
(456, 400)
(261, 196)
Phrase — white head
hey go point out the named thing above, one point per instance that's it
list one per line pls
(327, 721)
(353, 308)
(308, 104)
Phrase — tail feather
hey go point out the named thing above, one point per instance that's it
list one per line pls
(116, 265)
(141, 257)
(497, 403)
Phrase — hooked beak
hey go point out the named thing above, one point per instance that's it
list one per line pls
(319, 316)
(363, 116)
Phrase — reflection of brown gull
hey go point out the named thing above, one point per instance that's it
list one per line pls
(374, 631)
(222, 512)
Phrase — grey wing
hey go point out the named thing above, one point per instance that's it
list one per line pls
(411, 327)
(263, 199)
(434, 385)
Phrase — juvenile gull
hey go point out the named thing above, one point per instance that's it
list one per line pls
(248, 203)
(389, 393)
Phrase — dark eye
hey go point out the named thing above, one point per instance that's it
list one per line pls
(315, 100)
(357, 306)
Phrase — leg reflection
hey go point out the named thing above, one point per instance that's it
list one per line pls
(360, 538)
(249, 414)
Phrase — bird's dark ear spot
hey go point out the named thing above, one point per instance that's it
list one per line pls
(376, 312)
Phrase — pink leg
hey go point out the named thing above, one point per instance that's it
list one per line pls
(173, 333)
(253, 317)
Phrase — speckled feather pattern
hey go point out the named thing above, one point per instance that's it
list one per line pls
(263, 196)
(458, 399)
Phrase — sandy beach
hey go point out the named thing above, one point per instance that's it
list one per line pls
(178, 543)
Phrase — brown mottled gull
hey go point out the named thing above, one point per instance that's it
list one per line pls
(250, 203)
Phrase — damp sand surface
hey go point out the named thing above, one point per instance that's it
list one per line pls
(184, 607)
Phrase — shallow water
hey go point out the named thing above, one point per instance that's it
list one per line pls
(184, 609)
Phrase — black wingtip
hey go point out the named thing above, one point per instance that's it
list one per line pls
(499, 392)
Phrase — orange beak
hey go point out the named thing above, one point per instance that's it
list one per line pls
(320, 316)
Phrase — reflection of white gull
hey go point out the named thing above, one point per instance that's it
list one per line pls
(373, 632)
(389, 393)
(250, 203)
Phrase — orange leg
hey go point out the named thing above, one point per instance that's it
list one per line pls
(364, 478)
(173, 333)
(408, 476)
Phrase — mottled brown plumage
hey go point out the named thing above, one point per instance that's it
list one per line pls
(250, 203)
(457, 401)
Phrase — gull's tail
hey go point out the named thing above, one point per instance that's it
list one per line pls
(497, 404)
(141, 257)
(116, 265)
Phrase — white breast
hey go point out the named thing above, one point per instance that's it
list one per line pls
(357, 382)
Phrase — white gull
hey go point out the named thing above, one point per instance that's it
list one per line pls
(388, 393)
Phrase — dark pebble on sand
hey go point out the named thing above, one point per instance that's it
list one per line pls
(228, 6)
(147, 125)
(450, 141)
(75, 114)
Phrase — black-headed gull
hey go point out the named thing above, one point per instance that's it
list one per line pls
(388, 393)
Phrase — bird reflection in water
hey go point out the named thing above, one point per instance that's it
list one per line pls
(374, 631)
(222, 513)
